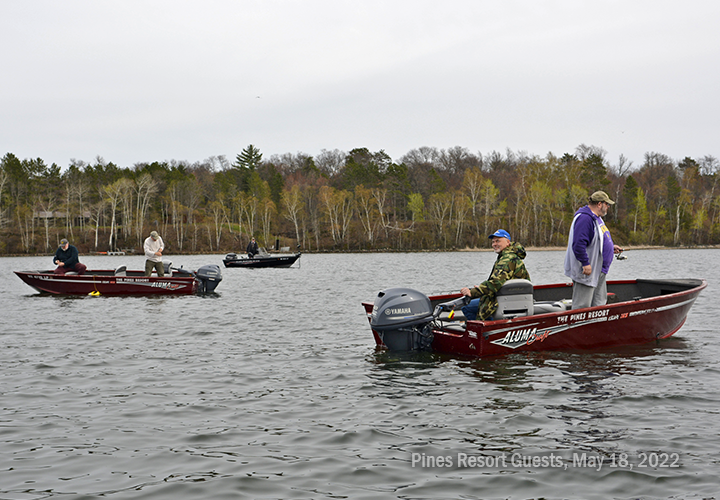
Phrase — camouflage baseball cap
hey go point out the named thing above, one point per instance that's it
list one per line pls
(598, 196)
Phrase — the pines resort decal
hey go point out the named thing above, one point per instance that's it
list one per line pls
(529, 334)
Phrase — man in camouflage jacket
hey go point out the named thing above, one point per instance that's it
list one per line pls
(508, 265)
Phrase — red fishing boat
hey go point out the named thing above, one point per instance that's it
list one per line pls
(533, 318)
(120, 281)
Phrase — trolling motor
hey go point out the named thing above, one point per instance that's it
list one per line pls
(404, 318)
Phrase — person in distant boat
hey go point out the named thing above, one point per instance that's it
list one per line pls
(252, 249)
(154, 247)
(508, 265)
(66, 259)
(590, 252)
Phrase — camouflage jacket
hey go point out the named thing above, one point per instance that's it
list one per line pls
(509, 265)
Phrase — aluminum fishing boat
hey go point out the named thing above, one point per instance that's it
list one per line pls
(121, 281)
(261, 260)
(532, 318)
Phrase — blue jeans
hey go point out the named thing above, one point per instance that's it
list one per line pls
(471, 310)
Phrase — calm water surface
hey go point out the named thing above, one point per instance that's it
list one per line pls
(272, 388)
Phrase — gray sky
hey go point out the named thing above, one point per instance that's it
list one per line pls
(140, 81)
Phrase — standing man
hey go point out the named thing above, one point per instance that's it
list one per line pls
(508, 265)
(252, 249)
(590, 252)
(154, 247)
(66, 259)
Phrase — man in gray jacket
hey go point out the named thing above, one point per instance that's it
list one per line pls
(590, 252)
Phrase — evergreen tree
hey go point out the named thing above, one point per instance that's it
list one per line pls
(594, 174)
(630, 194)
(363, 168)
(246, 163)
(249, 158)
(437, 184)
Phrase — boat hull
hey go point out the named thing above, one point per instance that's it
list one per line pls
(262, 262)
(634, 321)
(107, 283)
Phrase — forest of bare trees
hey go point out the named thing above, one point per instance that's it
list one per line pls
(353, 201)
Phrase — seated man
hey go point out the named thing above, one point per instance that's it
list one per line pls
(66, 259)
(508, 265)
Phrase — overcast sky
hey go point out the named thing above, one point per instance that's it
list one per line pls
(141, 81)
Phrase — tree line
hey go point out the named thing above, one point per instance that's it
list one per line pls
(429, 199)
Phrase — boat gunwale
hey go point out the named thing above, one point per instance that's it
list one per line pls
(702, 284)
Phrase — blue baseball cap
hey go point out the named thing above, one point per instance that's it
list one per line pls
(500, 233)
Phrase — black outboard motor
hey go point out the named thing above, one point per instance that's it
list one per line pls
(209, 277)
(402, 318)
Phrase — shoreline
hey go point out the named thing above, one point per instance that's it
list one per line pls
(389, 250)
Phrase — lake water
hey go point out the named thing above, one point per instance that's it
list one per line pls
(272, 388)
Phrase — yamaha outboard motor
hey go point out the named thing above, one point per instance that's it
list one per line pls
(402, 317)
(209, 277)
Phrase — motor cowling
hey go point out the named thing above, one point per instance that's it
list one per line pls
(209, 277)
(402, 318)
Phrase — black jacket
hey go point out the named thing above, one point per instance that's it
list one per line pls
(68, 257)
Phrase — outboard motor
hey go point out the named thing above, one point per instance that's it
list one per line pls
(402, 318)
(209, 277)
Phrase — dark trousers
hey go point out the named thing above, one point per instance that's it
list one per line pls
(79, 268)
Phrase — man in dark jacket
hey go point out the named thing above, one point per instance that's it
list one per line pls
(66, 259)
(252, 248)
(508, 265)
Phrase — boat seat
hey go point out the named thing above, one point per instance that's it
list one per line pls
(550, 306)
(121, 271)
(455, 327)
(515, 298)
(71, 273)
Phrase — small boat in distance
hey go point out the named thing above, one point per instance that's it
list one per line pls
(263, 259)
(532, 318)
(120, 281)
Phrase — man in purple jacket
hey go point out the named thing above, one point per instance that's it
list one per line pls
(590, 252)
